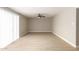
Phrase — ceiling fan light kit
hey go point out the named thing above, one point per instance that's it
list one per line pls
(40, 16)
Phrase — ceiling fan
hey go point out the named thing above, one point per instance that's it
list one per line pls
(40, 16)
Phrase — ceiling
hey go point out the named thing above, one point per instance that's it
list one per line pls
(32, 12)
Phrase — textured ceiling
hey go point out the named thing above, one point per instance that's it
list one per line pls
(32, 12)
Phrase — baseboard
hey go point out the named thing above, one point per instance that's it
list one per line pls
(23, 34)
(65, 40)
(39, 31)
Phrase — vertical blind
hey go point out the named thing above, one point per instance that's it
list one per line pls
(9, 27)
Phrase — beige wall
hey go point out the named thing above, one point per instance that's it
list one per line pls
(64, 25)
(23, 26)
(39, 25)
(77, 27)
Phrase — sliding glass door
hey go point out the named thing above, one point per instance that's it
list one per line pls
(9, 27)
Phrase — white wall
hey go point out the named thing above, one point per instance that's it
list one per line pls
(39, 25)
(23, 26)
(64, 25)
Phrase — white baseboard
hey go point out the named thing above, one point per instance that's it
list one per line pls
(65, 40)
(39, 31)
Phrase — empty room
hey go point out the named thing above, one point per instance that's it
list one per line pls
(39, 28)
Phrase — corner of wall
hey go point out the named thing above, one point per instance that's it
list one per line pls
(73, 45)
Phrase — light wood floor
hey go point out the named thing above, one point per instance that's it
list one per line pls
(39, 42)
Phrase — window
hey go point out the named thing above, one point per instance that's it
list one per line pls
(9, 27)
